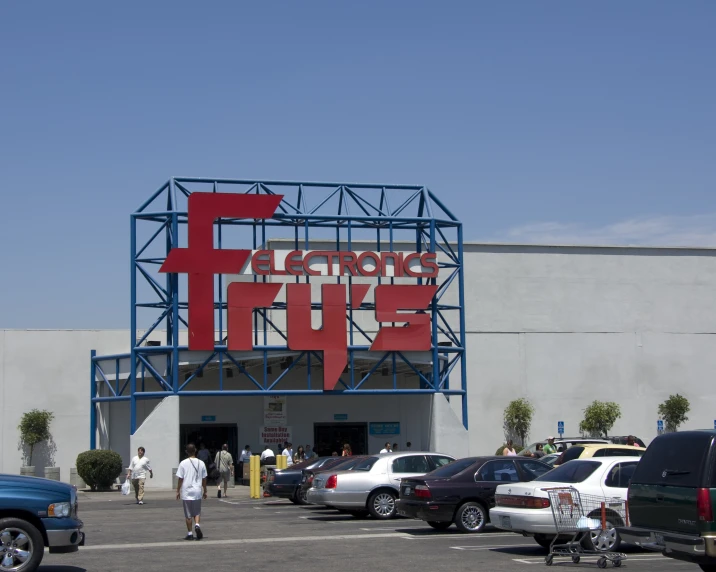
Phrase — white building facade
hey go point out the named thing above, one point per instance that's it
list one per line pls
(561, 326)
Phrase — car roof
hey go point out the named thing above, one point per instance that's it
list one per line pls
(595, 446)
(403, 453)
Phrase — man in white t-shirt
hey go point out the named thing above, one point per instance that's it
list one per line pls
(137, 471)
(191, 488)
(267, 453)
(288, 453)
(388, 449)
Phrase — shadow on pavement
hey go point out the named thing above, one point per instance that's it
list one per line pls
(61, 569)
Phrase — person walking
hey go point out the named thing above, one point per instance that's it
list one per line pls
(387, 449)
(347, 451)
(408, 445)
(509, 450)
(245, 457)
(300, 455)
(539, 453)
(395, 447)
(204, 454)
(137, 471)
(288, 453)
(191, 489)
(225, 464)
(309, 453)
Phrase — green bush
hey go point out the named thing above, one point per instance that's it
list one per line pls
(517, 448)
(99, 468)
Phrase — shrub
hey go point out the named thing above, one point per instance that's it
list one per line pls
(99, 468)
(599, 418)
(34, 429)
(518, 419)
(673, 411)
(517, 448)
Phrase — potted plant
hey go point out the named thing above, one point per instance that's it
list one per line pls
(34, 429)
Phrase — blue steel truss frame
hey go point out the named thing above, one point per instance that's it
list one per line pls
(376, 213)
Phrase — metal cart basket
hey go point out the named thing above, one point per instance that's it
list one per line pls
(579, 515)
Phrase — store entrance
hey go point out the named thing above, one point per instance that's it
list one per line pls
(330, 438)
(212, 436)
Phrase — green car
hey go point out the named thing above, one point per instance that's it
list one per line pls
(671, 498)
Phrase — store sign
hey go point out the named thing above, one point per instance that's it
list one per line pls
(201, 261)
(274, 435)
(392, 428)
(275, 410)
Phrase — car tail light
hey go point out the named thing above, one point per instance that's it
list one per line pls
(310, 478)
(332, 482)
(703, 505)
(521, 502)
(423, 492)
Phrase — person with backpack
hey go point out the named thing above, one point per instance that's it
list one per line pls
(191, 489)
(225, 465)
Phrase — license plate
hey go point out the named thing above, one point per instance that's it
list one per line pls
(505, 522)
(406, 490)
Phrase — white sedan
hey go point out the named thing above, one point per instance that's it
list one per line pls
(525, 507)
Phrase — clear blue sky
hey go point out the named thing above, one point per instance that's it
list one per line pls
(534, 120)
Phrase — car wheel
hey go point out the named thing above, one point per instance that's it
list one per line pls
(607, 540)
(543, 540)
(381, 505)
(440, 525)
(471, 517)
(21, 545)
(301, 496)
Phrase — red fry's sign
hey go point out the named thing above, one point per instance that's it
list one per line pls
(201, 262)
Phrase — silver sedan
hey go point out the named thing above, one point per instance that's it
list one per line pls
(372, 486)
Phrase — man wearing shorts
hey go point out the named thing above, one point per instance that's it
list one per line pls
(191, 488)
(225, 463)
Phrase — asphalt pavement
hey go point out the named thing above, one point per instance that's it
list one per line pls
(244, 533)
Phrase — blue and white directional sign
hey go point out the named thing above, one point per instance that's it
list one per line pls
(660, 425)
(560, 427)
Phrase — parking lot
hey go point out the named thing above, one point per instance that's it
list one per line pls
(241, 533)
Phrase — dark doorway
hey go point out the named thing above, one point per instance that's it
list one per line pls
(330, 438)
(213, 436)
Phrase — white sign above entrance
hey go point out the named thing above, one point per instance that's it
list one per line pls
(275, 410)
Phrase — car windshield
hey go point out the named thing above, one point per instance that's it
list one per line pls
(571, 472)
(366, 464)
(452, 469)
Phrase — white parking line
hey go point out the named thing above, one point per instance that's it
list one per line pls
(490, 547)
(590, 558)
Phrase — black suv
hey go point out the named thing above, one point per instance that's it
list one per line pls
(671, 498)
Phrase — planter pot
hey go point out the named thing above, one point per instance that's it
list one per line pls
(52, 473)
(27, 471)
(76, 480)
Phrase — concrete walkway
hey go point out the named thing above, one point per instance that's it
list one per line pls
(238, 492)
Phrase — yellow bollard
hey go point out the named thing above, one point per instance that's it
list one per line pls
(255, 476)
(281, 462)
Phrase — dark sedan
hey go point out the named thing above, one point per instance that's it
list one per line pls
(285, 483)
(463, 491)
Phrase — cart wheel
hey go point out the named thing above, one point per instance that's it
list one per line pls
(617, 563)
(575, 559)
(602, 562)
(548, 560)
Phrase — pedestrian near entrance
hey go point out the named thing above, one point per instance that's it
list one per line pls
(549, 448)
(288, 453)
(137, 471)
(347, 451)
(300, 455)
(395, 447)
(309, 453)
(204, 454)
(191, 489)
(225, 464)
(408, 445)
(245, 457)
(387, 449)
(509, 450)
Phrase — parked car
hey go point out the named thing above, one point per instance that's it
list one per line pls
(562, 444)
(550, 459)
(525, 507)
(285, 483)
(598, 450)
(373, 485)
(36, 513)
(671, 498)
(464, 491)
(346, 464)
(622, 440)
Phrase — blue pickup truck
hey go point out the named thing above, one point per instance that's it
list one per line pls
(35, 513)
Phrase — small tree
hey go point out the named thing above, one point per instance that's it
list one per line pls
(673, 411)
(599, 418)
(518, 418)
(34, 429)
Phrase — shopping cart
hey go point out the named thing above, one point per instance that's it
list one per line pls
(580, 515)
